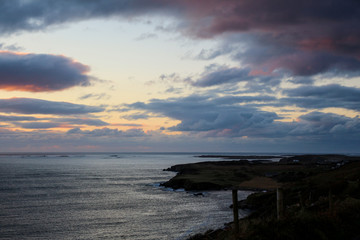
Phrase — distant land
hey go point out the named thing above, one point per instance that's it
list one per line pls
(321, 194)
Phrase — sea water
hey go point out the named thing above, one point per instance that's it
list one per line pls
(103, 196)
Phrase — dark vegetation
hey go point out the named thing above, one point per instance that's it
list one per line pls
(321, 195)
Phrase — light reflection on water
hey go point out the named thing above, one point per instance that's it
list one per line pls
(102, 197)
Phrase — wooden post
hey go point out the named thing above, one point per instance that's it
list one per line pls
(331, 204)
(301, 201)
(279, 203)
(235, 211)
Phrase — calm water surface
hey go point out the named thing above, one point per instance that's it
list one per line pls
(102, 196)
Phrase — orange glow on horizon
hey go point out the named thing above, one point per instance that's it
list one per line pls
(14, 53)
(26, 88)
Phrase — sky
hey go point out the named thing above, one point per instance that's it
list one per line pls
(180, 76)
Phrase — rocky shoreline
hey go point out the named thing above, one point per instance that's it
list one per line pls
(316, 187)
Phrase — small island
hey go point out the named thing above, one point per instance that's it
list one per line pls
(320, 194)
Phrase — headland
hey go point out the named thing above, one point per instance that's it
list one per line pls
(321, 194)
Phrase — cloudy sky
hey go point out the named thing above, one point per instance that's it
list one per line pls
(180, 75)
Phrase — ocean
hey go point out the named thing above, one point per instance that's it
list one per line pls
(103, 196)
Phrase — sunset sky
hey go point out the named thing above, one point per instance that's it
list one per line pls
(180, 75)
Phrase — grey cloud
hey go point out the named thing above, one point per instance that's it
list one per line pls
(12, 47)
(145, 36)
(173, 77)
(280, 52)
(302, 80)
(326, 124)
(174, 90)
(95, 96)
(314, 126)
(224, 117)
(35, 15)
(16, 118)
(136, 116)
(333, 91)
(38, 106)
(209, 54)
(305, 37)
(324, 97)
(309, 64)
(227, 121)
(286, 53)
(223, 76)
(201, 113)
(128, 125)
(230, 100)
(40, 72)
(25, 121)
(81, 121)
(38, 125)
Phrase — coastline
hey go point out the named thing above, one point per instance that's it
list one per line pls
(251, 172)
(314, 185)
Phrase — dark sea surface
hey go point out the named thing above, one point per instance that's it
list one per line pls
(102, 196)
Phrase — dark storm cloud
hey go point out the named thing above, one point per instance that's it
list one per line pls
(304, 37)
(38, 106)
(323, 97)
(40, 72)
(299, 62)
(337, 20)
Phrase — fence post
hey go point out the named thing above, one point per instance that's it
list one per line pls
(235, 211)
(279, 203)
(331, 203)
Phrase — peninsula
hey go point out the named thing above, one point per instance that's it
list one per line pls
(321, 194)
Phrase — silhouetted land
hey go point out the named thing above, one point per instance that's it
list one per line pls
(321, 194)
